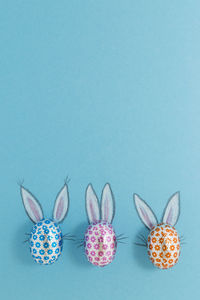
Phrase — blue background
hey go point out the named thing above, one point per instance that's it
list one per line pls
(100, 91)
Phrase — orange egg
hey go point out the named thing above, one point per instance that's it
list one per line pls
(164, 243)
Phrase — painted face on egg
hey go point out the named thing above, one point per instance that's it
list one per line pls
(163, 246)
(163, 243)
(100, 241)
(45, 239)
(46, 242)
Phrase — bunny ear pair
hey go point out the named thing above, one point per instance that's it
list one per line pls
(34, 209)
(171, 212)
(107, 205)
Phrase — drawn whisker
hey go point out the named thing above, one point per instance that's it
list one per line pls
(119, 235)
(80, 240)
(122, 238)
(67, 180)
(71, 235)
(20, 182)
(142, 245)
(25, 241)
(68, 239)
(80, 245)
(68, 234)
(142, 238)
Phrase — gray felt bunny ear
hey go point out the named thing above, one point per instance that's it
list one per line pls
(172, 210)
(107, 204)
(145, 213)
(31, 205)
(92, 205)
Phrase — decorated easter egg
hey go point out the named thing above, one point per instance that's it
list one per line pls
(100, 243)
(163, 246)
(46, 242)
(163, 241)
(100, 239)
(46, 237)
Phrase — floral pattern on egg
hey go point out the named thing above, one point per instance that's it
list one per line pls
(163, 246)
(100, 243)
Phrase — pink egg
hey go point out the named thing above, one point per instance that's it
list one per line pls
(100, 243)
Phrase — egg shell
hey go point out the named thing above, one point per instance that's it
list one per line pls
(163, 246)
(46, 242)
(100, 243)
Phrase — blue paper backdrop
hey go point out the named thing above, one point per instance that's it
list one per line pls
(100, 91)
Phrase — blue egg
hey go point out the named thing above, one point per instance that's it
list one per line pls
(46, 242)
